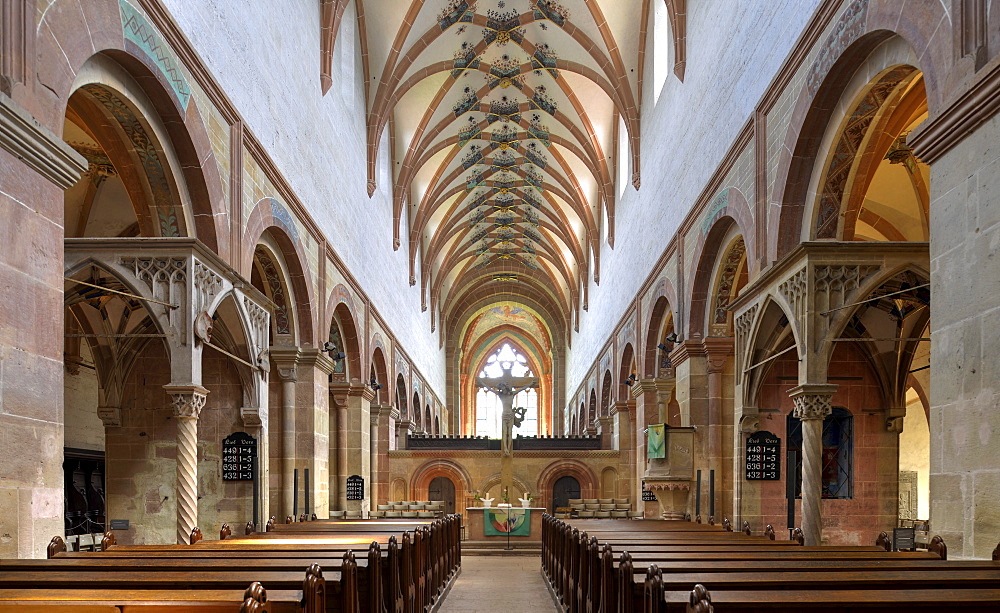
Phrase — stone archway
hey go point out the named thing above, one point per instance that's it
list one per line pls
(442, 488)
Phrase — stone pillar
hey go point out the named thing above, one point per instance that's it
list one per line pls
(353, 402)
(604, 428)
(651, 398)
(288, 376)
(812, 405)
(380, 418)
(188, 402)
(623, 414)
(716, 451)
(403, 427)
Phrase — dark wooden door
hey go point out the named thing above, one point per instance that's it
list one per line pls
(441, 488)
(564, 489)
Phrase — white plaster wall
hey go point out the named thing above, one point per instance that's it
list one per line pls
(734, 49)
(318, 142)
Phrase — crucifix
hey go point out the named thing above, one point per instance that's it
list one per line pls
(506, 387)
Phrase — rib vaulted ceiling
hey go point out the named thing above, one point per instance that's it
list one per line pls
(501, 118)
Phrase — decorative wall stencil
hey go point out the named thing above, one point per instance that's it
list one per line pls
(471, 132)
(850, 26)
(142, 39)
(542, 101)
(469, 99)
(847, 152)
(272, 276)
(718, 205)
(727, 281)
(551, 10)
(502, 28)
(545, 58)
(146, 150)
(284, 218)
(505, 72)
(504, 109)
(465, 59)
(454, 12)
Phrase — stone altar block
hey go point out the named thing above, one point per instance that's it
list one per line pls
(475, 524)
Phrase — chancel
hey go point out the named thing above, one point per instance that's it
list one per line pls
(691, 278)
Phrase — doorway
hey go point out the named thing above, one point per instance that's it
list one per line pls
(442, 488)
(564, 489)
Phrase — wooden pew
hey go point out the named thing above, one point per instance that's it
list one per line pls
(582, 573)
(381, 584)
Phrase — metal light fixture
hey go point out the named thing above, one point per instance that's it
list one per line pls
(331, 348)
(374, 384)
(671, 338)
(629, 380)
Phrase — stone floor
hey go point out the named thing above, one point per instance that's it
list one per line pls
(499, 583)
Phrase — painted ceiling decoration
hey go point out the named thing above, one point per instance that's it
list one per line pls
(501, 119)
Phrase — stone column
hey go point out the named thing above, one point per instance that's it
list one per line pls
(188, 402)
(812, 405)
(288, 375)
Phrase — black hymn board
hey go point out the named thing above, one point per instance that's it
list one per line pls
(762, 457)
(355, 488)
(239, 452)
(648, 495)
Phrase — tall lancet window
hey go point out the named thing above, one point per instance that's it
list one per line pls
(488, 407)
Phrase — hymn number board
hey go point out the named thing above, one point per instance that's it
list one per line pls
(239, 452)
(763, 457)
(355, 487)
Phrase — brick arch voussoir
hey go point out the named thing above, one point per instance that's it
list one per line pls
(263, 220)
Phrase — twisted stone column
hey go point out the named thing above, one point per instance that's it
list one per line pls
(188, 403)
(812, 405)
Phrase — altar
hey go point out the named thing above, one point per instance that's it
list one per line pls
(490, 523)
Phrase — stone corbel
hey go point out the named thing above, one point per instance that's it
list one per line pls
(341, 391)
(750, 420)
(894, 419)
(718, 349)
(111, 416)
(251, 417)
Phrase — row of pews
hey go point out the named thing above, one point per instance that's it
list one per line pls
(651, 566)
(303, 567)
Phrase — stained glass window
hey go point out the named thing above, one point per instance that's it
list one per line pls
(489, 409)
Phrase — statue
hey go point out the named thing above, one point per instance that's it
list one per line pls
(506, 387)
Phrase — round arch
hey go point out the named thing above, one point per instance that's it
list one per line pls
(425, 473)
(268, 219)
(342, 315)
(713, 248)
(564, 467)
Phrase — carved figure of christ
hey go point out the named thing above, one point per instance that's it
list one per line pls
(507, 387)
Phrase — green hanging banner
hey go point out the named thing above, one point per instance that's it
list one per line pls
(656, 447)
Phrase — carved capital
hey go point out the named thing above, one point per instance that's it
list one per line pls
(894, 424)
(111, 416)
(812, 401)
(749, 421)
(188, 400)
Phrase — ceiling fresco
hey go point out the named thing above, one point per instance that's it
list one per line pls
(502, 121)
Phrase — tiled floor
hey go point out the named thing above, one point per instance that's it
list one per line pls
(497, 584)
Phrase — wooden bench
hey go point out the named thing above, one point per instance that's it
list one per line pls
(581, 570)
(407, 579)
